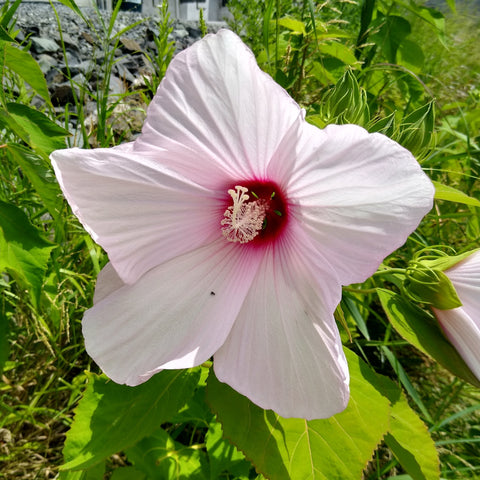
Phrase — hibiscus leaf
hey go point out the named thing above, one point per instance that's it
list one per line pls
(281, 448)
(408, 437)
(423, 332)
(159, 456)
(93, 473)
(411, 443)
(127, 473)
(111, 417)
(223, 455)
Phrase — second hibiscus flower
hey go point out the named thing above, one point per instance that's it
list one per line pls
(231, 225)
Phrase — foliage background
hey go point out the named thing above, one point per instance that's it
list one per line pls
(408, 70)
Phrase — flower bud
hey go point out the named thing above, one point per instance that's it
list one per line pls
(431, 286)
(416, 130)
(346, 102)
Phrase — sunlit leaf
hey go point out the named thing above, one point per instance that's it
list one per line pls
(445, 192)
(23, 251)
(40, 175)
(112, 417)
(422, 331)
(280, 448)
(222, 454)
(34, 128)
(338, 50)
(23, 64)
(159, 456)
(292, 24)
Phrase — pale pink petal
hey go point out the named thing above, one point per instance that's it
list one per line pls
(215, 110)
(284, 351)
(465, 277)
(359, 196)
(175, 316)
(107, 282)
(464, 334)
(141, 213)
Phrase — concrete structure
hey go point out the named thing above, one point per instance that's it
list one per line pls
(213, 10)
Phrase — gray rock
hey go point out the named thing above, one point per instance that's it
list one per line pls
(44, 45)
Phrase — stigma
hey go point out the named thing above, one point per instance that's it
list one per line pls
(257, 212)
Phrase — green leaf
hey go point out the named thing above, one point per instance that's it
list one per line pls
(286, 448)
(411, 443)
(338, 50)
(34, 128)
(292, 24)
(423, 332)
(433, 17)
(40, 175)
(23, 251)
(94, 473)
(4, 36)
(450, 194)
(111, 417)
(127, 473)
(410, 54)
(4, 346)
(408, 437)
(23, 64)
(222, 454)
(393, 31)
(159, 456)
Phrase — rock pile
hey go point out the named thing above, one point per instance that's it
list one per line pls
(80, 49)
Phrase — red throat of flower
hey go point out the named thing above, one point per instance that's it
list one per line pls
(258, 213)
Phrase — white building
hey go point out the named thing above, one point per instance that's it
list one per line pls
(213, 10)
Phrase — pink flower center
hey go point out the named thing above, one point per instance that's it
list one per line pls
(258, 213)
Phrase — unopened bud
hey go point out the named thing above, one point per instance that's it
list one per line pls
(416, 130)
(346, 102)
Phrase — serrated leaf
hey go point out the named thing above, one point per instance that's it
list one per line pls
(40, 175)
(411, 443)
(423, 332)
(159, 456)
(280, 448)
(23, 251)
(450, 194)
(111, 417)
(408, 437)
(222, 454)
(23, 64)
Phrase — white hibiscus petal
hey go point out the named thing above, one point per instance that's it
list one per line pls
(359, 195)
(175, 316)
(463, 333)
(215, 110)
(465, 277)
(138, 211)
(107, 282)
(284, 351)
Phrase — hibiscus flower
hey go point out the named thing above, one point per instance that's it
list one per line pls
(231, 225)
(461, 325)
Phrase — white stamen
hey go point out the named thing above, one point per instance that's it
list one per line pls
(243, 221)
